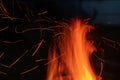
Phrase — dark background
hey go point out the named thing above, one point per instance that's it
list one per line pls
(103, 14)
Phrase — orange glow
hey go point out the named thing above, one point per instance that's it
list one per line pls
(69, 56)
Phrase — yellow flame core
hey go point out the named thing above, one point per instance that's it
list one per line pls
(69, 57)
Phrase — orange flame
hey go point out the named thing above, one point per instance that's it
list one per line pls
(69, 57)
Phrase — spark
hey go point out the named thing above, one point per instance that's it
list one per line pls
(9, 42)
(4, 28)
(29, 70)
(54, 59)
(18, 59)
(2, 54)
(111, 43)
(38, 47)
(41, 29)
(3, 73)
(4, 65)
(44, 12)
(39, 60)
(3, 9)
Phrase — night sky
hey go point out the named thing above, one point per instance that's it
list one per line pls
(104, 11)
(101, 11)
(108, 10)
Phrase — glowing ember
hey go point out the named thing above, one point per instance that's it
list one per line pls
(69, 56)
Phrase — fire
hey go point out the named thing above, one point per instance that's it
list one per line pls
(70, 54)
